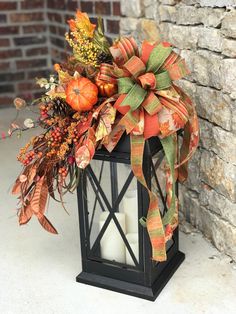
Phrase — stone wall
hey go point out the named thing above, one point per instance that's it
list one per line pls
(32, 39)
(204, 33)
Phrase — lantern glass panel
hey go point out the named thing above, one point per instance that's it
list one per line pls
(112, 213)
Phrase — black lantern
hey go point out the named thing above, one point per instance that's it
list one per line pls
(116, 250)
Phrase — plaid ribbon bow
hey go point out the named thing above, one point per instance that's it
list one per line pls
(152, 105)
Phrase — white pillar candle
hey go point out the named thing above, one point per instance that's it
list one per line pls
(130, 203)
(133, 242)
(112, 245)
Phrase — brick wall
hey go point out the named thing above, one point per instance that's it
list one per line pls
(204, 32)
(23, 48)
(32, 39)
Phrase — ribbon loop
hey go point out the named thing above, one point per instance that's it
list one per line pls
(152, 104)
(158, 57)
(135, 97)
(135, 66)
(163, 80)
(124, 49)
(147, 80)
(125, 84)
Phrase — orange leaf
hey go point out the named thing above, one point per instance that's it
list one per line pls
(40, 196)
(25, 215)
(46, 224)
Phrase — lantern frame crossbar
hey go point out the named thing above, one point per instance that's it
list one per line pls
(112, 209)
(96, 199)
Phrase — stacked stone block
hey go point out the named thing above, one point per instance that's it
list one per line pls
(204, 33)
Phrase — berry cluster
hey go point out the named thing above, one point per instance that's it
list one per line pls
(57, 136)
(28, 158)
(62, 172)
(44, 111)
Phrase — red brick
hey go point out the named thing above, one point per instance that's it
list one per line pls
(7, 5)
(38, 73)
(32, 40)
(55, 17)
(25, 64)
(4, 66)
(27, 96)
(103, 8)
(56, 4)
(34, 28)
(116, 8)
(113, 26)
(58, 42)
(53, 29)
(72, 5)
(37, 51)
(4, 42)
(6, 89)
(8, 30)
(86, 6)
(6, 101)
(55, 54)
(26, 17)
(67, 17)
(25, 86)
(61, 31)
(3, 18)
(6, 54)
(8, 77)
(32, 4)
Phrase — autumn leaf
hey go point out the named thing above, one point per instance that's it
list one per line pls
(40, 196)
(25, 215)
(106, 119)
(82, 24)
(114, 137)
(82, 156)
(85, 125)
(46, 224)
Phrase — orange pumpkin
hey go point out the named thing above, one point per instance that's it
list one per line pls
(81, 94)
(106, 89)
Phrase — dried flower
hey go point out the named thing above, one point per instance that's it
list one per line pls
(19, 103)
(29, 123)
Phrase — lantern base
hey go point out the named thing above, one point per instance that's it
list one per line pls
(148, 293)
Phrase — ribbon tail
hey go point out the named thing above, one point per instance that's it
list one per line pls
(153, 222)
(170, 148)
(190, 138)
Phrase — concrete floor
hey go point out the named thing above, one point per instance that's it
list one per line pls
(38, 270)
